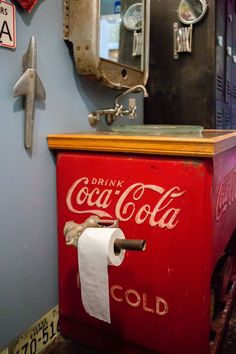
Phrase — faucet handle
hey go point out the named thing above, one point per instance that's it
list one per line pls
(119, 110)
(132, 108)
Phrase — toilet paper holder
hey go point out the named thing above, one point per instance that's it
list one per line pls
(72, 232)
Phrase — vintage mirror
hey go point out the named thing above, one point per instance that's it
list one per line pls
(110, 39)
(191, 11)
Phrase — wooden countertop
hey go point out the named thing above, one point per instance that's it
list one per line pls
(210, 144)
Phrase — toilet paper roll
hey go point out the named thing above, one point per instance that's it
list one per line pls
(95, 253)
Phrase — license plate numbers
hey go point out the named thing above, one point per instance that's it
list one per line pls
(38, 337)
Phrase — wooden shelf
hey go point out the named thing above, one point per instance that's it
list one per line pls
(210, 144)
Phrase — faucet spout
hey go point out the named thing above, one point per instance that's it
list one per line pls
(111, 114)
(135, 88)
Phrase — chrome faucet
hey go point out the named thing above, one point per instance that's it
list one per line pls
(111, 114)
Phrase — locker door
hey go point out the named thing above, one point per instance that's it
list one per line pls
(220, 50)
(229, 51)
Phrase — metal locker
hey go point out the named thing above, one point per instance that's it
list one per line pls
(193, 88)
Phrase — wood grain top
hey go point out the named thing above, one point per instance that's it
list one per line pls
(210, 144)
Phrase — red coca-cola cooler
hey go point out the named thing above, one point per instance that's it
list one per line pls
(178, 194)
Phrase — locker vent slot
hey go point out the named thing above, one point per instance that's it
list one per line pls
(228, 88)
(234, 91)
(227, 122)
(219, 120)
(219, 83)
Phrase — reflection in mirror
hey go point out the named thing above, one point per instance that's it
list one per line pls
(191, 11)
(121, 32)
(110, 39)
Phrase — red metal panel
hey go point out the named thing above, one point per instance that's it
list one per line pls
(224, 201)
(160, 299)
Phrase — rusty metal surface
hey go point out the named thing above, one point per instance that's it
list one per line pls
(229, 344)
(81, 28)
(219, 326)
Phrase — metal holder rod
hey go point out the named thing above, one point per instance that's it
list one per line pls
(129, 245)
(73, 231)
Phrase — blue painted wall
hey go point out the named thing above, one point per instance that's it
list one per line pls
(28, 240)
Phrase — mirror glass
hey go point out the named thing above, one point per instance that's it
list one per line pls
(191, 11)
(121, 32)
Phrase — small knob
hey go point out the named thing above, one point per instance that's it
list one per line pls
(93, 118)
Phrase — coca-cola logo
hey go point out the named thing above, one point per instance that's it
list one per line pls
(95, 195)
(226, 194)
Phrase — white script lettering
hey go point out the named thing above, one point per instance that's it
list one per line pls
(159, 211)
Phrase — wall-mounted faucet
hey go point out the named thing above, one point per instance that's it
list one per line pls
(111, 114)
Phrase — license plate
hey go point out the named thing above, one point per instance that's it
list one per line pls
(38, 337)
(7, 25)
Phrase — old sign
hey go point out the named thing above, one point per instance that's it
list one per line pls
(7, 25)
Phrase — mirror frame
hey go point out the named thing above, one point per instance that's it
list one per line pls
(81, 28)
(204, 4)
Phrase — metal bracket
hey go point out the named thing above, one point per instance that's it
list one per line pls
(73, 231)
